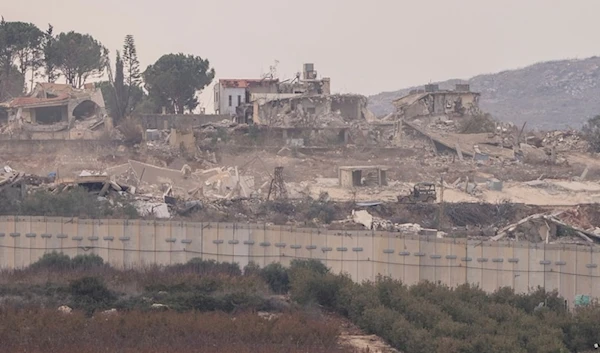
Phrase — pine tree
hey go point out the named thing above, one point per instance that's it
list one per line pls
(119, 86)
(132, 74)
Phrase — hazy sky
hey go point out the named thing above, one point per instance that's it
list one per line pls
(364, 46)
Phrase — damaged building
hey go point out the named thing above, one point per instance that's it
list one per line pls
(54, 111)
(230, 94)
(51, 103)
(307, 102)
(433, 102)
(257, 100)
(283, 110)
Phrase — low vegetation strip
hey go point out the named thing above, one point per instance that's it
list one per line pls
(434, 318)
(211, 307)
(43, 331)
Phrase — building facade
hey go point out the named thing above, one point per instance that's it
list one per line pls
(232, 93)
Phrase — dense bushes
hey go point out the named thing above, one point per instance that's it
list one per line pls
(201, 266)
(433, 318)
(276, 277)
(57, 261)
(426, 317)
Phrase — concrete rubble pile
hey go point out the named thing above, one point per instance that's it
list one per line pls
(570, 140)
(159, 189)
(303, 119)
(12, 178)
(158, 141)
(98, 183)
(558, 227)
(207, 134)
(92, 123)
(227, 183)
(375, 223)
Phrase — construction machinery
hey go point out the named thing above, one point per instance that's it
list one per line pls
(421, 193)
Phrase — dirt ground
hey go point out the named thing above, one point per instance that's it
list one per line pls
(354, 338)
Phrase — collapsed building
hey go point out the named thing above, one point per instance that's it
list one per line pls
(300, 110)
(305, 101)
(432, 102)
(52, 107)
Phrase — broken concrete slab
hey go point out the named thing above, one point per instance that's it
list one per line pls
(543, 227)
(151, 174)
(158, 210)
(363, 217)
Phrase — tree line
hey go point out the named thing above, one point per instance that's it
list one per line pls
(28, 53)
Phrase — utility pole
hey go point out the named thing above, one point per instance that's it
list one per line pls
(441, 207)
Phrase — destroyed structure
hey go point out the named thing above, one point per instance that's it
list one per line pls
(567, 226)
(300, 110)
(304, 102)
(233, 93)
(53, 108)
(433, 102)
(297, 127)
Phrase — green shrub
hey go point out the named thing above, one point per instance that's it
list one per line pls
(276, 277)
(252, 269)
(90, 294)
(312, 265)
(322, 211)
(60, 262)
(353, 300)
(86, 262)
(132, 131)
(52, 261)
(310, 287)
(379, 320)
(200, 266)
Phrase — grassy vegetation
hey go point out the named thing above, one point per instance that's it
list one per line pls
(211, 309)
(76, 202)
(42, 331)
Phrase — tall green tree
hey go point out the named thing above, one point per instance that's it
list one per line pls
(139, 100)
(175, 79)
(49, 50)
(78, 56)
(119, 87)
(591, 132)
(19, 52)
(131, 64)
(131, 77)
(12, 83)
(28, 48)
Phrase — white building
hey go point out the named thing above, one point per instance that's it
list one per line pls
(230, 93)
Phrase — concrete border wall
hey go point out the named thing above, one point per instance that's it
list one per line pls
(570, 269)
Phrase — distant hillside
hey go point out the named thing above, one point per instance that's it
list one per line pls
(549, 95)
